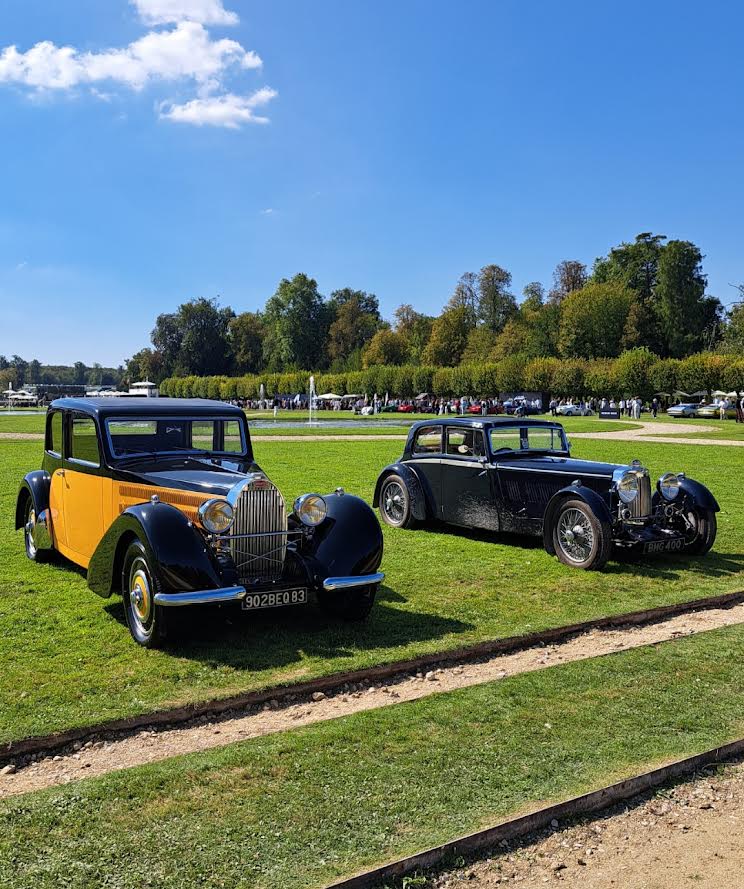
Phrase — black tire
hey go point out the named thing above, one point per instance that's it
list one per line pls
(32, 551)
(147, 622)
(705, 528)
(395, 502)
(580, 539)
(350, 605)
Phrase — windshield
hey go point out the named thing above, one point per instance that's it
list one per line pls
(130, 435)
(527, 438)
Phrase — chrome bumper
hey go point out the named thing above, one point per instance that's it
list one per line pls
(346, 583)
(236, 593)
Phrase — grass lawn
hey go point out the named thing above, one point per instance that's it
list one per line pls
(66, 658)
(300, 809)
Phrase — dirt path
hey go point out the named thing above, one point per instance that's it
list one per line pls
(689, 835)
(102, 755)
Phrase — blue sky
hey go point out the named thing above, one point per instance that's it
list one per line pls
(387, 145)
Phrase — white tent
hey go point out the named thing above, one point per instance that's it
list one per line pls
(328, 396)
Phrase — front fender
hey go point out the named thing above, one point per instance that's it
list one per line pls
(420, 505)
(35, 485)
(176, 550)
(580, 492)
(348, 542)
(698, 494)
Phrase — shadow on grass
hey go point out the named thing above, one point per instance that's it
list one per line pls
(266, 640)
(622, 562)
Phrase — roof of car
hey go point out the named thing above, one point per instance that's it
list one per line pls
(480, 422)
(153, 407)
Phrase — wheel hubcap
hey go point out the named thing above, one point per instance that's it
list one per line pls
(139, 596)
(575, 535)
(30, 525)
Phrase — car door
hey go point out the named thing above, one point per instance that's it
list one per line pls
(467, 479)
(426, 461)
(83, 489)
(53, 462)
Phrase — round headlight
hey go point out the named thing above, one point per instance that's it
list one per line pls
(627, 487)
(669, 486)
(311, 509)
(216, 516)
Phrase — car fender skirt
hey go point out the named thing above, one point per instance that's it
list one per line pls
(35, 485)
(176, 550)
(348, 543)
(571, 492)
(415, 489)
(698, 494)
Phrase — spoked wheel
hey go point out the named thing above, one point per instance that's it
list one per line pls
(395, 502)
(580, 539)
(700, 530)
(146, 620)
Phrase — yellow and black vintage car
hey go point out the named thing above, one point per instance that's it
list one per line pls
(162, 500)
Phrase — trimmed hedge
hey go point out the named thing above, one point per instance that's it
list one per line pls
(635, 372)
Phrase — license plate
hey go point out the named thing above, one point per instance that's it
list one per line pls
(675, 545)
(278, 599)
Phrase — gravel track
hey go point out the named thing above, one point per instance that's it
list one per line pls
(104, 754)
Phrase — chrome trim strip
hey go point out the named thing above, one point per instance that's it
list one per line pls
(345, 583)
(201, 597)
(573, 472)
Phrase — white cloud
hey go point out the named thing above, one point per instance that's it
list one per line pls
(185, 52)
(267, 212)
(219, 111)
(166, 12)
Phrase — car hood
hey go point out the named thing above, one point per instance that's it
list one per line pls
(562, 465)
(190, 474)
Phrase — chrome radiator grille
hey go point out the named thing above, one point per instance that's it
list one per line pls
(258, 541)
(640, 508)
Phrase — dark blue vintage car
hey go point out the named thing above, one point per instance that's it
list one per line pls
(518, 475)
(161, 499)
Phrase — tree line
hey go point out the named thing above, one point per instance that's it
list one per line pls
(18, 372)
(648, 293)
(636, 372)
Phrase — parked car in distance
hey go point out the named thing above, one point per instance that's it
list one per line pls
(163, 501)
(517, 475)
(574, 410)
(491, 409)
(713, 411)
(685, 410)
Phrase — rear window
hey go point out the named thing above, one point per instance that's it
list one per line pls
(428, 440)
(174, 434)
(465, 442)
(54, 433)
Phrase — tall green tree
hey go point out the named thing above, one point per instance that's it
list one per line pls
(467, 296)
(297, 321)
(686, 316)
(386, 347)
(593, 321)
(415, 329)
(496, 303)
(247, 331)
(569, 275)
(449, 337)
(356, 317)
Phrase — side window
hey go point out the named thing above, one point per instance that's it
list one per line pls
(465, 442)
(84, 440)
(54, 434)
(428, 440)
(233, 442)
(506, 439)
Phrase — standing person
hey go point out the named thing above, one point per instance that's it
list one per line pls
(654, 408)
(740, 409)
(622, 407)
(723, 406)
